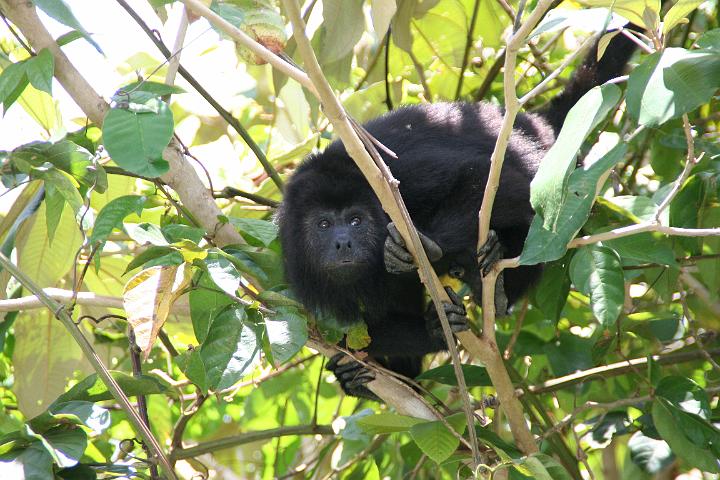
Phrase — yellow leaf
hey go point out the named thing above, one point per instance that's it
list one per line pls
(147, 299)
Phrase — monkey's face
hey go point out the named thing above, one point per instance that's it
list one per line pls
(345, 243)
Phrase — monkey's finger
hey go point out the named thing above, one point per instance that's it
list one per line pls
(398, 251)
(454, 298)
(395, 234)
(334, 361)
(351, 367)
(432, 249)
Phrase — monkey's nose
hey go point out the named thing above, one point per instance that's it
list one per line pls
(343, 244)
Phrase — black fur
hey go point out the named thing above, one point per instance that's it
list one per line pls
(336, 268)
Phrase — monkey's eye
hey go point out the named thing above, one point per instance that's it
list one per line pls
(355, 221)
(324, 224)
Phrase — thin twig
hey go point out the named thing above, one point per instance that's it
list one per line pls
(614, 369)
(690, 162)
(249, 437)
(466, 52)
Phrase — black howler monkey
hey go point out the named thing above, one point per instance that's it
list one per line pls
(342, 258)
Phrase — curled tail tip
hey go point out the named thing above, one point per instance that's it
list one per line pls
(591, 73)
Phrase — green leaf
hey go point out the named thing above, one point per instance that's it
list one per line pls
(387, 423)
(231, 349)
(678, 12)
(287, 333)
(637, 11)
(546, 244)
(223, 273)
(552, 290)
(31, 463)
(542, 467)
(435, 440)
(146, 234)
(40, 70)
(710, 40)
(195, 370)
(643, 248)
(112, 215)
(685, 395)
(357, 336)
(690, 437)
(651, 455)
(205, 303)
(341, 29)
(549, 187)
(475, 376)
(261, 230)
(596, 271)
(60, 184)
(155, 255)
(92, 388)
(60, 11)
(54, 203)
(670, 83)
(177, 232)
(66, 446)
(136, 141)
(13, 81)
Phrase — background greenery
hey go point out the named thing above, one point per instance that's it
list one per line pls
(219, 363)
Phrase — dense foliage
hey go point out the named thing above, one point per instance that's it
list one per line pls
(614, 353)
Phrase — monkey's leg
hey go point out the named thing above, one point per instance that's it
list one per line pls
(488, 255)
(455, 313)
(397, 257)
(352, 376)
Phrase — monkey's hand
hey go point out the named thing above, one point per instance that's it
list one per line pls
(397, 257)
(455, 313)
(352, 376)
(488, 255)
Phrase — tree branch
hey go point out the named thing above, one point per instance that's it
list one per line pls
(249, 437)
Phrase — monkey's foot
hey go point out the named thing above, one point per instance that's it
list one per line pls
(397, 257)
(455, 313)
(490, 253)
(352, 376)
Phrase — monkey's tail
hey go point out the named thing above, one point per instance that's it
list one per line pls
(590, 74)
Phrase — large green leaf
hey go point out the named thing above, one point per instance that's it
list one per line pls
(93, 389)
(546, 244)
(596, 271)
(287, 333)
(690, 437)
(672, 82)
(40, 70)
(387, 423)
(434, 438)
(650, 454)
(60, 11)
(13, 81)
(112, 215)
(550, 183)
(678, 12)
(231, 349)
(136, 141)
